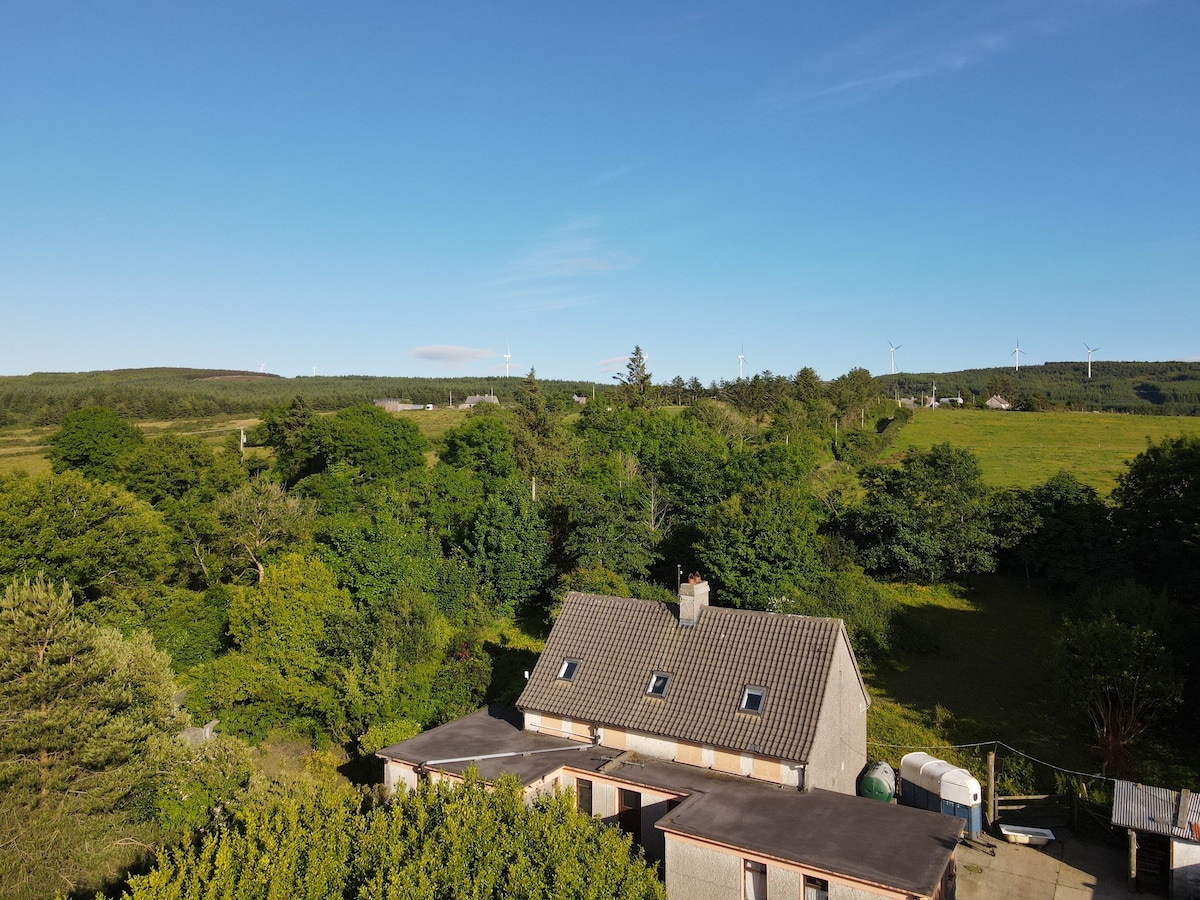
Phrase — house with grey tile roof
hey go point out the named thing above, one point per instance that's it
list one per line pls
(727, 742)
(768, 696)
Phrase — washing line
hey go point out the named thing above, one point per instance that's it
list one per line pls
(1040, 762)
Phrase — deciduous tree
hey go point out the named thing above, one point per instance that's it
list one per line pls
(97, 537)
(926, 520)
(93, 441)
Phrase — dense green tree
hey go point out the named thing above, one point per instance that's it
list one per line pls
(510, 548)
(181, 477)
(608, 516)
(927, 519)
(1059, 530)
(439, 842)
(79, 708)
(537, 441)
(286, 840)
(1158, 514)
(483, 842)
(483, 444)
(462, 681)
(852, 392)
(290, 433)
(257, 519)
(376, 443)
(1122, 678)
(760, 545)
(93, 441)
(175, 467)
(446, 499)
(97, 537)
(195, 782)
(281, 668)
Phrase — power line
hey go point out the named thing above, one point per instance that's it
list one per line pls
(1009, 747)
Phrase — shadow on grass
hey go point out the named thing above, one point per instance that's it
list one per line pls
(977, 663)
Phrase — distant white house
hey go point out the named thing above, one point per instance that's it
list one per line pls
(476, 399)
(997, 402)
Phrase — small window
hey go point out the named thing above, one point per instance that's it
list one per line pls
(583, 795)
(815, 888)
(756, 880)
(568, 669)
(658, 684)
(752, 700)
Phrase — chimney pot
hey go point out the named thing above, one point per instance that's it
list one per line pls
(693, 597)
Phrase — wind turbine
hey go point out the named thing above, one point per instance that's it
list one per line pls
(1090, 351)
(261, 366)
(1017, 354)
(507, 357)
(894, 349)
(741, 361)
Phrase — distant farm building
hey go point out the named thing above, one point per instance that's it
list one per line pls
(476, 399)
(397, 405)
(997, 402)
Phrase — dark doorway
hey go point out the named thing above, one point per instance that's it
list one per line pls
(629, 813)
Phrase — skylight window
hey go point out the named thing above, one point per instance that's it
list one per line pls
(568, 669)
(752, 699)
(658, 684)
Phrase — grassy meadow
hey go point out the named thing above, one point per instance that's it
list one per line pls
(1024, 449)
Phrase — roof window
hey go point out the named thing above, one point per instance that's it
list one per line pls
(658, 684)
(567, 670)
(752, 699)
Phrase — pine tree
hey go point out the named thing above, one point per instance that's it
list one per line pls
(79, 706)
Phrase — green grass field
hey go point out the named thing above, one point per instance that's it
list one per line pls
(1024, 449)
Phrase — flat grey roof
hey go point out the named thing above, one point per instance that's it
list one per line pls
(880, 843)
(493, 741)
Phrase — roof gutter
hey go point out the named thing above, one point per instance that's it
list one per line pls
(511, 753)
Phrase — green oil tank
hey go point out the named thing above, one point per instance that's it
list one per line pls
(878, 782)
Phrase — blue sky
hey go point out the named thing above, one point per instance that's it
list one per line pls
(406, 189)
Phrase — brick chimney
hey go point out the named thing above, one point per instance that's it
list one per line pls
(693, 597)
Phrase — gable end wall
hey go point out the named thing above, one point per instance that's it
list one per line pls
(839, 751)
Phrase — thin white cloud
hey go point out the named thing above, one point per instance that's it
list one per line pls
(922, 46)
(613, 364)
(551, 273)
(612, 175)
(450, 354)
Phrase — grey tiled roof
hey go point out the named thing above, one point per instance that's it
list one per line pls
(621, 642)
(1155, 809)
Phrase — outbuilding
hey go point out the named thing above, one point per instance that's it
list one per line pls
(1164, 837)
